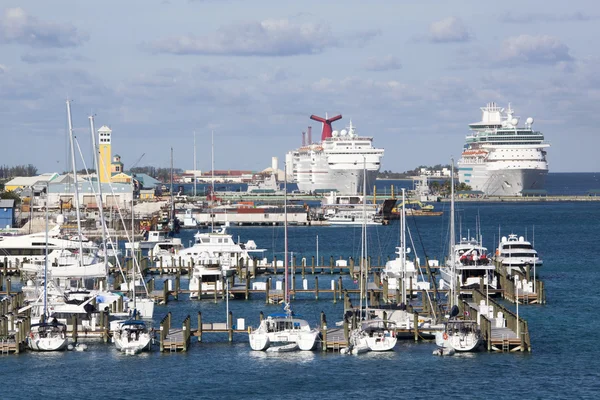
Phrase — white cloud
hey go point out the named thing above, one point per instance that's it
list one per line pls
(49, 56)
(267, 38)
(527, 49)
(387, 63)
(3, 69)
(529, 18)
(450, 29)
(16, 26)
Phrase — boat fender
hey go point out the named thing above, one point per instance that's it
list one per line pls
(445, 336)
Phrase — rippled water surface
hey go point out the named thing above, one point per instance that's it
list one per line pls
(563, 363)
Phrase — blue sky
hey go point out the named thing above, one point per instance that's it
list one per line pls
(412, 74)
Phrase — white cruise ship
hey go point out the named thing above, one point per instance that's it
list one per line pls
(336, 163)
(501, 158)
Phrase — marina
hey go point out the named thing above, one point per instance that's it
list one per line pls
(299, 200)
(330, 286)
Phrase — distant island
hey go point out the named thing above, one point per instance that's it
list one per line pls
(436, 171)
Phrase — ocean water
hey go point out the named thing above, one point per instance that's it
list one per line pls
(557, 183)
(563, 364)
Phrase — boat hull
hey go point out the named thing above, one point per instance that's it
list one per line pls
(47, 344)
(502, 182)
(460, 343)
(343, 181)
(134, 346)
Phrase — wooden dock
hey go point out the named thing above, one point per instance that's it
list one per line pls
(501, 329)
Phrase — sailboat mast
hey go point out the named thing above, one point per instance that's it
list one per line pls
(195, 164)
(172, 216)
(364, 269)
(452, 237)
(133, 251)
(212, 179)
(75, 183)
(100, 203)
(285, 240)
(46, 259)
(403, 244)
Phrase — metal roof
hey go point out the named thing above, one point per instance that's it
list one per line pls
(7, 203)
(90, 187)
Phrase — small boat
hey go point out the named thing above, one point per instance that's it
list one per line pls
(132, 336)
(444, 351)
(379, 334)
(48, 336)
(460, 335)
(357, 343)
(283, 349)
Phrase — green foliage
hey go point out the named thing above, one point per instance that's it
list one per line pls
(162, 174)
(410, 173)
(10, 195)
(7, 172)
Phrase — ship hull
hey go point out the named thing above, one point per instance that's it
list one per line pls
(342, 181)
(502, 182)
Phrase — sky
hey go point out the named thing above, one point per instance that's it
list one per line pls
(411, 74)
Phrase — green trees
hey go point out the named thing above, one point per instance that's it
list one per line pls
(7, 172)
(10, 195)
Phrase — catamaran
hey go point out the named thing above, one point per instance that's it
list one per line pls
(284, 330)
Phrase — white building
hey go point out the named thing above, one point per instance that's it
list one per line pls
(113, 195)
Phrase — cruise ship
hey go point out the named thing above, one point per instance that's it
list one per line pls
(337, 163)
(501, 158)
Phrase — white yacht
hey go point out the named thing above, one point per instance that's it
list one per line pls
(501, 158)
(469, 264)
(48, 336)
(349, 210)
(216, 248)
(398, 268)
(32, 247)
(338, 162)
(282, 329)
(377, 334)
(460, 335)
(516, 252)
(131, 336)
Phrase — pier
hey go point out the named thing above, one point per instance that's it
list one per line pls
(500, 327)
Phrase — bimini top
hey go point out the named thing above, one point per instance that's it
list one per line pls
(134, 322)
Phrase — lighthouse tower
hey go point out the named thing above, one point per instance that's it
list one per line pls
(104, 173)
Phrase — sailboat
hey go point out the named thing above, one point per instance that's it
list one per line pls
(285, 331)
(404, 276)
(47, 336)
(132, 336)
(373, 334)
(458, 334)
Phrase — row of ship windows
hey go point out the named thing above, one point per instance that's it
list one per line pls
(232, 255)
(24, 252)
(502, 143)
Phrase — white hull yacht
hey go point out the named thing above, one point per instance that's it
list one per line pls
(131, 336)
(283, 329)
(48, 336)
(517, 253)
